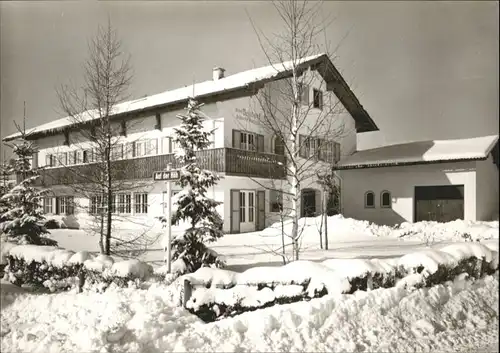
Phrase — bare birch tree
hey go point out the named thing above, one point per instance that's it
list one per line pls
(101, 140)
(305, 130)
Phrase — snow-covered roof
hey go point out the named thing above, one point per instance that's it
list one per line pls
(211, 87)
(421, 152)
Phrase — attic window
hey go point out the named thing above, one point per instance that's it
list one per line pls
(318, 99)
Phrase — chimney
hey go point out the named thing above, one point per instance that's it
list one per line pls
(218, 73)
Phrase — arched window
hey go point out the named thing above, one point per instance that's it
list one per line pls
(278, 145)
(369, 199)
(385, 199)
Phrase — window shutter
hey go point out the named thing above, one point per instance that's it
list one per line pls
(158, 121)
(337, 152)
(235, 210)
(302, 145)
(236, 139)
(260, 143)
(170, 145)
(129, 150)
(123, 128)
(58, 202)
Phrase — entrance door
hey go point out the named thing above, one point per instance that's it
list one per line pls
(439, 203)
(247, 211)
(308, 208)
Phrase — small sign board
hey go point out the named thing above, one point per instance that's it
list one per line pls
(166, 175)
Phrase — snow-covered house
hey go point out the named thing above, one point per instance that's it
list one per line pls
(241, 147)
(440, 180)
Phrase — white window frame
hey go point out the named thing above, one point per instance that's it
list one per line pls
(48, 205)
(248, 141)
(123, 203)
(140, 203)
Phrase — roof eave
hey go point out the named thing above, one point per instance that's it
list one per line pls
(402, 164)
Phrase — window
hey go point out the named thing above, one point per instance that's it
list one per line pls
(242, 207)
(369, 199)
(152, 147)
(385, 199)
(88, 156)
(78, 156)
(47, 205)
(124, 204)
(141, 203)
(97, 204)
(71, 157)
(65, 205)
(49, 160)
(279, 146)
(61, 159)
(247, 141)
(275, 201)
(116, 152)
(317, 99)
(166, 145)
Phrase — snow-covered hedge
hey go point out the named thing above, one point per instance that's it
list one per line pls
(59, 269)
(217, 293)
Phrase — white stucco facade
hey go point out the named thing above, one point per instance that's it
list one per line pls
(479, 178)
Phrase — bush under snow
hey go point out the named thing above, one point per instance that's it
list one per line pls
(220, 293)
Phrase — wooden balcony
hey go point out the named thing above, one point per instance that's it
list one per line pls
(228, 161)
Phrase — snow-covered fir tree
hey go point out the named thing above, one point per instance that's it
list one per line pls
(23, 220)
(193, 206)
(5, 171)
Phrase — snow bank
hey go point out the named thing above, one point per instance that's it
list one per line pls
(131, 268)
(429, 259)
(49, 254)
(467, 250)
(458, 316)
(206, 276)
(99, 263)
(350, 268)
(458, 230)
(80, 257)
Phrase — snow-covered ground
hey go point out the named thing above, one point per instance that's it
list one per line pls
(348, 238)
(455, 317)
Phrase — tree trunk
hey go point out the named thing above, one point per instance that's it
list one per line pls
(101, 233)
(109, 190)
(283, 245)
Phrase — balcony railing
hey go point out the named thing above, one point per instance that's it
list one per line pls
(229, 161)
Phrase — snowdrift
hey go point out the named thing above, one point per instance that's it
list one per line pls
(212, 294)
(458, 230)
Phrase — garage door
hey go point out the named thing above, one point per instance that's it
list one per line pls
(439, 203)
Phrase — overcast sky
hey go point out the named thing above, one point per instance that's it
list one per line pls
(422, 70)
